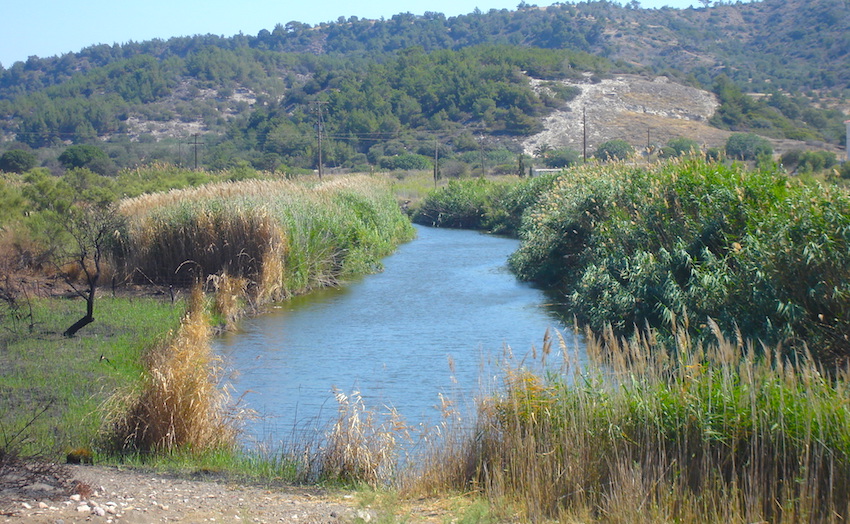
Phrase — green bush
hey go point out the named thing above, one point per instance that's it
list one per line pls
(17, 161)
(407, 162)
(614, 150)
(687, 239)
(683, 146)
(461, 203)
(808, 161)
(747, 146)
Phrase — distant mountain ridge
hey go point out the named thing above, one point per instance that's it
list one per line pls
(251, 96)
(796, 44)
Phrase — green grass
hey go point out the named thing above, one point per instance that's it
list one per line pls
(66, 377)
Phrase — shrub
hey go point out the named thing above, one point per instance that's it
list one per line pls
(631, 247)
(407, 162)
(616, 149)
(461, 203)
(81, 156)
(562, 158)
(747, 146)
(808, 161)
(17, 161)
(683, 146)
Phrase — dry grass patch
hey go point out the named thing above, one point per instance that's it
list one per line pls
(181, 403)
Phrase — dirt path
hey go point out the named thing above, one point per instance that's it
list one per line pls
(129, 496)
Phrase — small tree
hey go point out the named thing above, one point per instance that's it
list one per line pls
(17, 161)
(747, 146)
(616, 149)
(94, 229)
(564, 157)
(683, 146)
(81, 156)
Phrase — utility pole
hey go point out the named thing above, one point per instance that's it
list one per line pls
(195, 143)
(320, 123)
(436, 162)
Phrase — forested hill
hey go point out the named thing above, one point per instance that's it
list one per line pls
(797, 45)
(411, 75)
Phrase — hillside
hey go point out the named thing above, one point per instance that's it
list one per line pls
(472, 83)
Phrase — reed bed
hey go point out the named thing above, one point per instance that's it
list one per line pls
(713, 432)
(754, 250)
(283, 237)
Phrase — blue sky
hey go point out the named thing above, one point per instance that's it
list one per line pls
(52, 27)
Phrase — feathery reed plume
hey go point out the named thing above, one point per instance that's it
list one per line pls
(360, 447)
(181, 403)
(708, 432)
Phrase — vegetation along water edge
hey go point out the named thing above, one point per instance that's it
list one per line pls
(712, 295)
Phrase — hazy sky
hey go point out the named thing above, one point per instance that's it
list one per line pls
(52, 27)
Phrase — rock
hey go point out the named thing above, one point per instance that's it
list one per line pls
(83, 508)
(26, 506)
(100, 512)
(42, 505)
(76, 497)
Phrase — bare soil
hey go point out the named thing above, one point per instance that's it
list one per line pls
(72, 494)
(645, 112)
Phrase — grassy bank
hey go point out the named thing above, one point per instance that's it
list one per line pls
(717, 433)
(52, 388)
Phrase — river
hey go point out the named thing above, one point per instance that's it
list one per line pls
(440, 319)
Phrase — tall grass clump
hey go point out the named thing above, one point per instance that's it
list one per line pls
(282, 237)
(181, 404)
(711, 432)
(755, 250)
(362, 446)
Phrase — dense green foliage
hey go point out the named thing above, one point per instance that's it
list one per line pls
(747, 146)
(493, 205)
(808, 161)
(654, 246)
(616, 149)
(17, 161)
(411, 79)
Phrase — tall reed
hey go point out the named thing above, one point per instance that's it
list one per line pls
(283, 237)
(181, 404)
(706, 433)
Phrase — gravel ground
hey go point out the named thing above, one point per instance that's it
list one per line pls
(105, 494)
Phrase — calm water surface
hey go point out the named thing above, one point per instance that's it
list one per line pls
(439, 319)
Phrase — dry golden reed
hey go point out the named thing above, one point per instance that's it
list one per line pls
(181, 403)
(361, 446)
